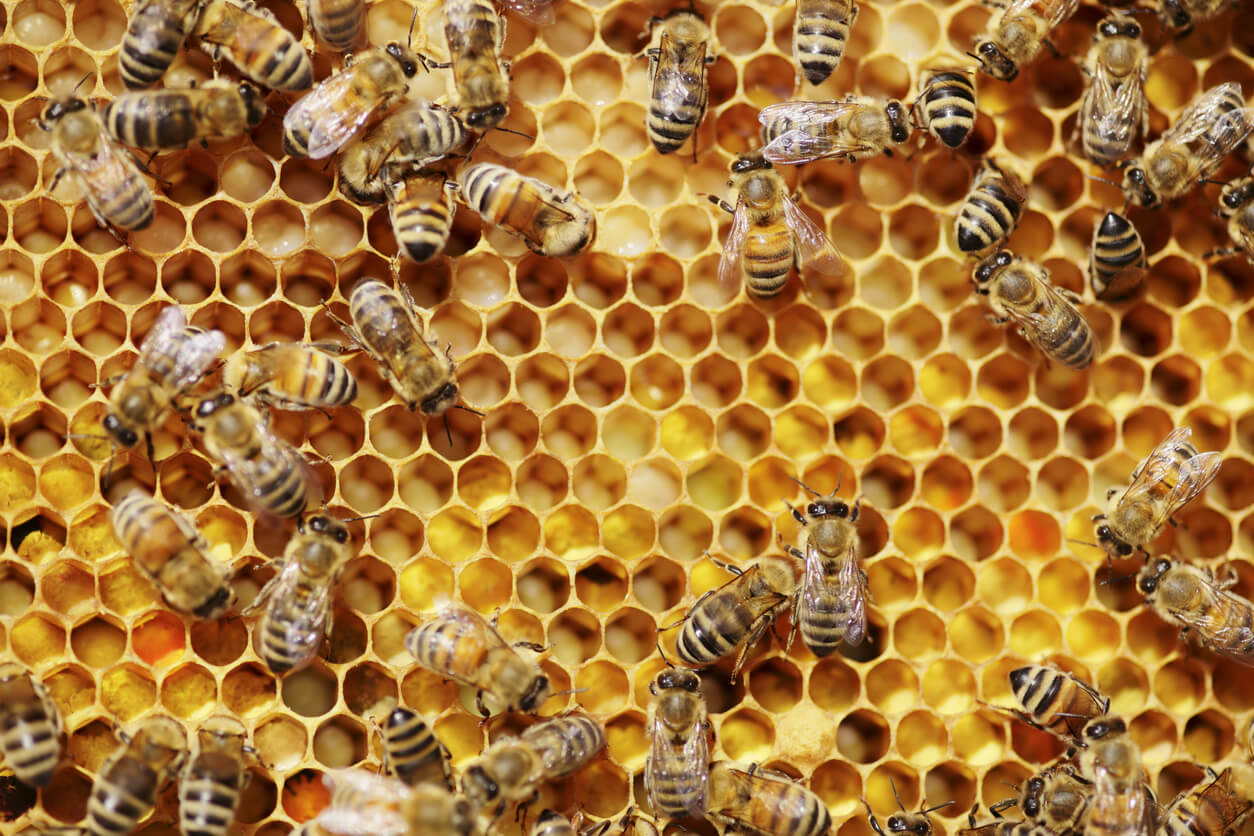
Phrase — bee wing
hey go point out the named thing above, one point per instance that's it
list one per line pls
(333, 112)
(364, 804)
(817, 253)
(1116, 107)
(1198, 120)
(730, 267)
(536, 11)
(195, 356)
(1195, 474)
(163, 334)
(1056, 11)
(675, 94)
(1158, 464)
(800, 146)
(452, 612)
(853, 582)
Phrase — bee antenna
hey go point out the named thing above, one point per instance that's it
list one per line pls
(807, 487)
(896, 797)
(409, 41)
(1103, 180)
(973, 55)
(356, 519)
(448, 432)
(567, 691)
(1083, 543)
(1068, 714)
(468, 409)
(1014, 787)
(668, 662)
(940, 806)
(82, 81)
(514, 132)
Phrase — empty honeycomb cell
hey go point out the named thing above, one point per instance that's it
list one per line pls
(186, 480)
(746, 735)
(630, 635)
(975, 533)
(1177, 380)
(1125, 684)
(1093, 634)
(1062, 483)
(486, 584)
(605, 687)
(1208, 736)
(513, 533)
(368, 585)
(768, 79)
(839, 785)
(1155, 733)
(1006, 585)
(745, 533)
(543, 585)
(1004, 381)
(1033, 634)
(888, 482)
(310, 692)
(976, 634)
(978, 740)
(39, 433)
(339, 742)
(247, 175)
(575, 635)
(629, 531)
(127, 692)
(863, 737)
(39, 226)
(858, 333)
(98, 642)
(1204, 332)
(944, 380)
(687, 433)
(715, 483)
(918, 634)
(38, 326)
(483, 482)
(219, 642)
(947, 483)
(189, 693)
(1203, 533)
(744, 432)
(919, 532)
(949, 687)
(599, 179)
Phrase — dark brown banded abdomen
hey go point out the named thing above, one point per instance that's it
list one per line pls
(566, 743)
(1070, 340)
(779, 807)
(714, 628)
(161, 119)
(280, 483)
(338, 22)
(947, 107)
(312, 379)
(820, 35)
(292, 627)
(209, 794)
(124, 792)
(29, 732)
(768, 257)
(988, 216)
(422, 227)
(676, 105)
(411, 749)
(154, 35)
(447, 647)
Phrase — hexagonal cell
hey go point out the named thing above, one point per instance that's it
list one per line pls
(127, 692)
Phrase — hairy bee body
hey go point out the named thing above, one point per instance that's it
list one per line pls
(1122, 803)
(1212, 808)
(946, 105)
(1199, 604)
(1236, 204)
(548, 220)
(414, 136)
(1056, 799)
(1001, 827)
(565, 743)
(1183, 14)
(126, 787)
(831, 604)
(1015, 38)
(290, 376)
(1114, 107)
(678, 87)
(338, 22)
(856, 128)
(297, 599)
(1019, 291)
(552, 823)
(106, 174)
(411, 751)
(30, 726)
(213, 778)
(460, 645)
(753, 802)
(677, 768)
(363, 803)
(421, 208)
(168, 550)
(1055, 700)
(630, 824)
(475, 36)
(511, 768)
(1117, 262)
(250, 37)
(820, 34)
(991, 210)
(154, 35)
(167, 119)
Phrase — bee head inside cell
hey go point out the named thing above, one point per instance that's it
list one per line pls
(122, 434)
(677, 678)
(899, 120)
(482, 118)
(254, 105)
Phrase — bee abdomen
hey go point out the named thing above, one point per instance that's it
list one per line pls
(31, 748)
(112, 810)
(822, 30)
(422, 229)
(338, 22)
(768, 258)
(671, 123)
(162, 119)
(206, 806)
(1073, 343)
(286, 66)
(282, 489)
(949, 107)
(987, 217)
(153, 38)
(712, 631)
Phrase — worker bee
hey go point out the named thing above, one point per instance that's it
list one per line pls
(213, 778)
(475, 36)
(154, 35)
(1056, 701)
(107, 175)
(918, 823)
(1168, 479)
(1002, 827)
(1122, 803)
(737, 613)
(459, 645)
(415, 135)
(126, 786)
(548, 220)
(1054, 798)
(512, 768)
(1191, 598)
(1213, 808)
(831, 603)
(365, 804)
(1017, 36)
(327, 116)
(770, 235)
(265, 468)
(1191, 149)
(1019, 291)
(1236, 204)
(678, 88)
(250, 37)
(1114, 105)
(169, 551)
(946, 105)
(172, 358)
(854, 129)
(1117, 262)
(291, 376)
(297, 599)
(630, 824)
(819, 36)
(553, 823)
(167, 119)
(338, 22)
(754, 802)
(420, 205)
(1182, 14)
(676, 769)
(991, 210)
(411, 751)
(30, 726)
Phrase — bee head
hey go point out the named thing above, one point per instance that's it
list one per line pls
(1147, 579)
(1235, 195)
(1137, 189)
(119, 432)
(209, 406)
(439, 401)
(1104, 727)
(898, 121)
(1031, 802)
(405, 57)
(1174, 14)
(57, 108)
(993, 62)
(482, 118)
(1111, 543)
(254, 107)
(537, 692)
(985, 269)
(326, 526)
(749, 161)
(676, 678)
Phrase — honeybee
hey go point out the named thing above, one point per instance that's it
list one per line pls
(1168, 479)
(126, 786)
(1181, 14)
(946, 105)
(854, 129)
(365, 804)
(676, 769)
(213, 778)
(552, 823)
(106, 174)
(265, 468)
(1117, 262)
(166, 119)
(737, 613)
(327, 116)
(1019, 292)
(1213, 808)
(420, 205)
(1017, 36)
(1114, 105)
(154, 35)
(918, 823)
(297, 599)
(291, 376)
(1192, 598)
(250, 37)
(475, 36)
(172, 358)
(167, 549)
(460, 645)
(511, 768)
(630, 824)
(30, 726)
(1122, 803)
(1236, 204)
(1053, 798)
(548, 220)
(819, 36)
(991, 210)
(678, 88)
(831, 604)
(415, 135)
(754, 802)
(1002, 827)
(411, 751)
(338, 22)
(769, 233)
(1191, 149)
(1056, 701)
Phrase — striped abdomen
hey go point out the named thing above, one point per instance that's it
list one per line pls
(411, 750)
(278, 479)
(338, 22)
(422, 218)
(677, 95)
(1045, 693)
(566, 743)
(310, 379)
(1211, 808)
(209, 794)
(822, 624)
(779, 807)
(820, 34)
(448, 647)
(30, 730)
(154, 35)
(383, 321)
(1066, 336)
(293, 624)
(715, 627)
(675, 784)
(159, 119)
(261, 48)
(124, 792)
(988, 216)
(1117, 259)
(769, 254)
(947, 107)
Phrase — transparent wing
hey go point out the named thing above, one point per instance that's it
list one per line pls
(1222, 624)
(677, 93)
(1199, 119)
(1056, 11)
(817, 253)
(163, 337)
(1116, 108)
(853, 583)
(814, 586)
(452, 612)
(1158, 464)
(364, 804)
(332, 111)
(195, 356)
(536, 11)
(1195, 474)
(730, 270)
(812, 135)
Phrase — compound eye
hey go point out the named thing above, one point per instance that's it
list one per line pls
(816, 509)
(1148, 584)
(1125, 549)
(1030, 807)
(1003, 258)
(341, 536)
(841, 509)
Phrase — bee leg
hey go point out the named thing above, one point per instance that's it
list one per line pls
(796, 515)
(996, 809)
(482, 709)
(56, 177)
(538, 648)
(1070, 295)
(1223, 252)
(875, 824)
(152, 453)
(722, 204)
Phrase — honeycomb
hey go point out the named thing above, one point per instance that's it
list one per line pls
(636, 415)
